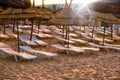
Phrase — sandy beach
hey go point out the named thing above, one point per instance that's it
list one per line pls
(100, 66)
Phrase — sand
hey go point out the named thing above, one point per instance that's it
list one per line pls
(100, 66)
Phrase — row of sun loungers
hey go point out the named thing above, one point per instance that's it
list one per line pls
(4, 48)
(58, 35)
(33, 42)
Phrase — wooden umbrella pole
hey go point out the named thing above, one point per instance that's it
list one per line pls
(94, 25)
(93, 31)
(111, 31)
(66, 32)
(104, 36)
(63, 31)
(70, 3)
(80, 28)
(14, 25)
(4, 31)
(43, 4)
(117, 29)
(84, 29)
(18, 35)
(38, 27)
(68, 37)
(31, 31)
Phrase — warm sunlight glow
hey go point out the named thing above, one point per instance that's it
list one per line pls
(39, 2)
(85, 2)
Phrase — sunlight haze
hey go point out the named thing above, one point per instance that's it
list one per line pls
(38, 2)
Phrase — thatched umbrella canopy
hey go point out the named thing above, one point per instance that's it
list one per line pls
(15, 3)
(4, 16)
(106, 17)
(45, 14)
(6, 13)
(106, 6)
(29, 13)
(1, 10)
(66, 17)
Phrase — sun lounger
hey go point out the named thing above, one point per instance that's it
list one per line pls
(58, 32)
(7, 49)
(5, 36)
(10, 33)
(87, 49)
(48, 35)
(43, 53)
(79, 40)
(25, 40)
(3, 45)
(64, 48)
(115, 37)
(62, 39)
(39, 42)
(20, 30)
(45, 30)
(104, 47)
(113, 45)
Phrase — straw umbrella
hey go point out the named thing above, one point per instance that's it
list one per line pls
(44, 14)
(4, 17)
(29, 13)
(66, 17)
(106, 6)
(15, 3)
(106, 19)
(1, 10)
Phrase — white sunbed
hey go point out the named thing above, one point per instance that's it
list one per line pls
(7, 49)
(60, 47)
(3, 45)
(10, 33)
(79, 40)
(113, 45)
(62, 39)
(39, 42)
(43, 53)
(86, 49)
(107, 47)
(45, 30)
(25, 40)
(5, 36)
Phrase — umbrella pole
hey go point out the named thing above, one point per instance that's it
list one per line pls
(80, 27)
(104, 36)
(38, 27)
(18, 36)
(14, 26)
(31, 31)
(4, 27)
(84, 29)
(94, 25)
(66, 32)
(111, 31)
(68, 36)
(93, 31)
(117, 29)
(63, 31)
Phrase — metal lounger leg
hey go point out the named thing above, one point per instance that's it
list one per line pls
(15, 57)
(3, 55)
(67, 51)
